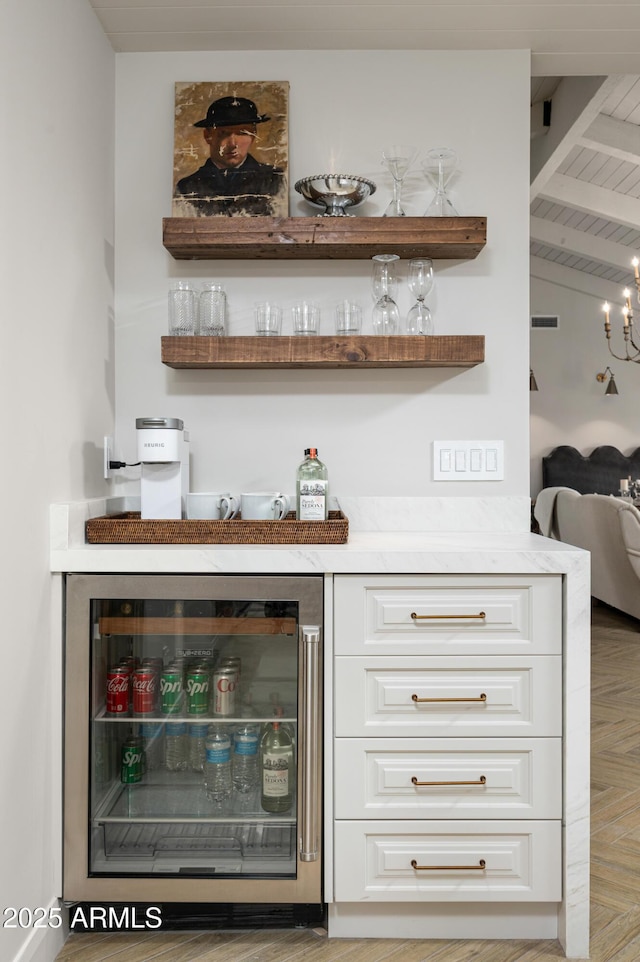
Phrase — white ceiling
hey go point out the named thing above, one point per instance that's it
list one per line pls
(585, 59)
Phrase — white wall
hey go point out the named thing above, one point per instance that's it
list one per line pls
(570, 406)
(372, 428)
(57, 399)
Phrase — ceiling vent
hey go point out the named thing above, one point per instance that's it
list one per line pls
(546, 321)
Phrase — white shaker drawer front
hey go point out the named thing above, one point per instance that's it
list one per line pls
(486, 615)
(448, 861)
(441, 778)
(440, 696)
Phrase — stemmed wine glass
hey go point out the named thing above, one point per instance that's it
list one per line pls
(439, 166)
(383, 287)
(397, 158)
(420, 282)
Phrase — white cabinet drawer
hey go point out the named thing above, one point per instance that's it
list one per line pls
(482, 778)
(522, 861)
(444, 696)
(442, 614)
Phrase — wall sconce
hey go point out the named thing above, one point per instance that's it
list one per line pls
(533, 384)
(612, 387)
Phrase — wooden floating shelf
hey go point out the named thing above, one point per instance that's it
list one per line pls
(216, 238)
(360, 351)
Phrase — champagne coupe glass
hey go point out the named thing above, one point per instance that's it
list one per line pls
(397, 158)
(439, 166)
(386, 316)
(420, 282)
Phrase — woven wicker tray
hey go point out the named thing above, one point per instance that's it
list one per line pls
(129, 528)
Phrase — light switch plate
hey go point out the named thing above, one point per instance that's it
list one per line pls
(468, 460)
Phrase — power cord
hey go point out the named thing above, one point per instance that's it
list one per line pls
(114, 465)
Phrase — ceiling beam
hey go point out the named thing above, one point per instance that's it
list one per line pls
(582, 244)
(608, 204)
(574, 106)
(618, 138)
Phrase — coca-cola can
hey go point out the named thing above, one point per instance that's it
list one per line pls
(224, 690)
(117, 693)
(145, 691)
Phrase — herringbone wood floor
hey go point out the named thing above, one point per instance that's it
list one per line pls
(615, 862)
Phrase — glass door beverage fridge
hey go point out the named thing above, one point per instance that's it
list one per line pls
(193, 739)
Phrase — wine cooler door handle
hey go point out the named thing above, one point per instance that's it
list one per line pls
(309, 831)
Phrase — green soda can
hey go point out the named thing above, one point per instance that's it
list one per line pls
(131, 767)
(171, 693)
(198, 690)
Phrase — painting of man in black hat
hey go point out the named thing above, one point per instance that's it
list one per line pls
(231, 149)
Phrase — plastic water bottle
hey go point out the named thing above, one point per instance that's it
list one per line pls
(197, 746)
(217, 766)
(151, 733)
(175, 746)
(245, 757)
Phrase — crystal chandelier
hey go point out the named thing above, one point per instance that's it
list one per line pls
(632, 350)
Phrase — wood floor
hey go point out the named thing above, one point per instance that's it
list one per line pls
(615, 871)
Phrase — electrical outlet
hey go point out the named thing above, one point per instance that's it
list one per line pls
(108, 456)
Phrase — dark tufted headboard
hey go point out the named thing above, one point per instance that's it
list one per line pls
(597, 473)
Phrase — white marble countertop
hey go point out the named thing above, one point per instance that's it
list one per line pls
(385, 536)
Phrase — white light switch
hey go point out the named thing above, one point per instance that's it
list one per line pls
(468, 460)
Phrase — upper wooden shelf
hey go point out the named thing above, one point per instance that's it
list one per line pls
(361, 351)
(225, 238)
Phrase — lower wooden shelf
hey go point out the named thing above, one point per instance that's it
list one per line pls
(361, 351)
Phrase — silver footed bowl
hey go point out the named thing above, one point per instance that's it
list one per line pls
(335, 192)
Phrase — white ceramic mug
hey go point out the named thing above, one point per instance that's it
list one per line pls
(211, 506)
(263, 506)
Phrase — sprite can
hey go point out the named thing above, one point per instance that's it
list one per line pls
(198, 690)
(131, 767)
(171, 693)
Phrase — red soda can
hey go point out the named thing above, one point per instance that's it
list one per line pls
(117, 693)
(145, 691)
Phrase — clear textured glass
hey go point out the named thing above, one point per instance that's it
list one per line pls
(268, 319)
(183, 309)
(398, 158)
(420, 281)
(439, 166)
(306, 318)
(212, 314)
(348, 318)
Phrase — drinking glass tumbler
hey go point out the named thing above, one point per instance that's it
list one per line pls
(348, 318)
(306, 318)
(183, 309)
(268, 319)
(212, 320)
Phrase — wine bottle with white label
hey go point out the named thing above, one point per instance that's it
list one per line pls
(312, 488)
(278, 770)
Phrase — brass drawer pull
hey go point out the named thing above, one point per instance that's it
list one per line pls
(481, 781)
(416, 617)
(462, 868)
(481, 697)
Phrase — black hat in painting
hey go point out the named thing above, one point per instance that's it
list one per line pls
(231, 112)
